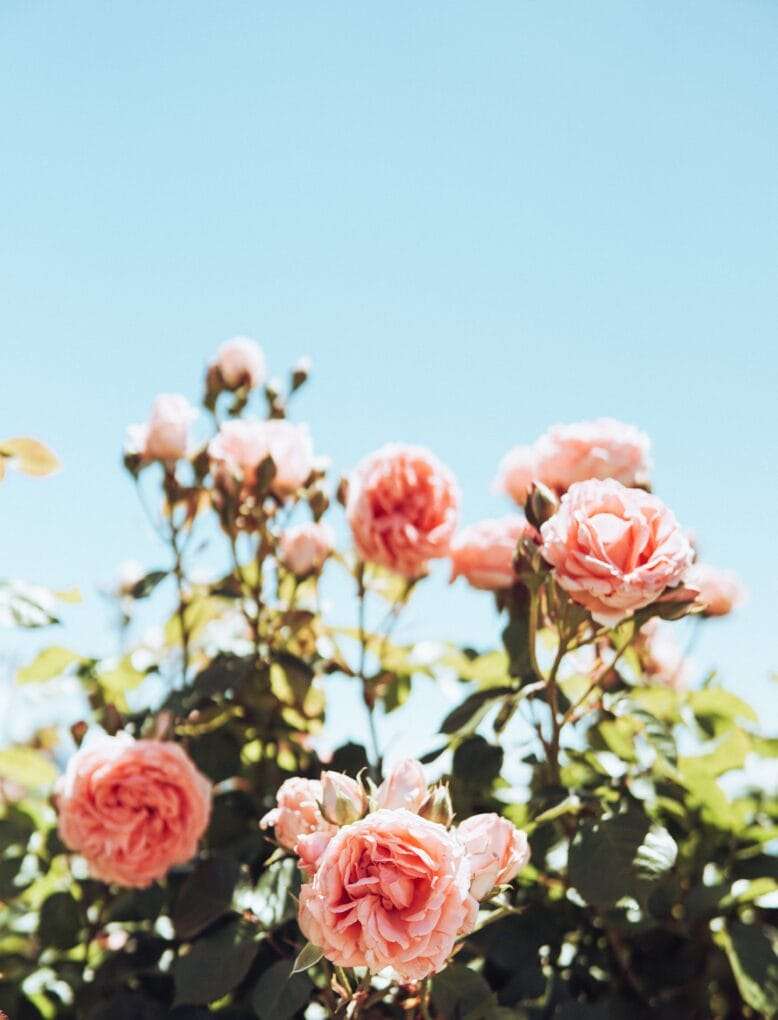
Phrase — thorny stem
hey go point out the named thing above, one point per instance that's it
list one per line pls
(178, 571)
(367, 694)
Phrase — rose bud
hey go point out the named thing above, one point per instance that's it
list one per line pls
(437, 807)
(343, 799)
(404, 787)
(542, 503)
(496, 849)
(240, 362)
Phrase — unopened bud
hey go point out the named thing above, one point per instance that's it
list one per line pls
(343, 800)
(437, 807)
(300, 372)
(342, 491)
(542, 503)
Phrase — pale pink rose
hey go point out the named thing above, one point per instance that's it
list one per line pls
(496, 849)
(132, 808)
(240, 447)
(402, 507)
(343, 799)
(613, 549)
(661, 655)
(304, 548)
(309, 849)
(240, 362)
(565, 454)
(404, 786)
(165, 436)
(297, 812)
(483, 553)
(392, 890)
(720, 591)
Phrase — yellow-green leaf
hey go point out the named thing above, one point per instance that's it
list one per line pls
(27, 767)
(29, 455)
(47, 664)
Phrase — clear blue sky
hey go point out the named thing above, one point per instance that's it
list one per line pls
(478, 219)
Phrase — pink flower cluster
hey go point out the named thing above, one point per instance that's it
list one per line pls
(387, 886)
(240, 446)
(132, 808)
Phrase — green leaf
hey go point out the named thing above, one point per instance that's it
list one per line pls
(143, 588)
(754, 963)
(29, 456)
(47, 664)
(27, 767)
(714, 701)
(215, 964)
(472, 709)
(306, 958)
(123, 677)
(205, 896)
(59, 924)
(9, 869)
(459, 993)
(618, 856)
(281, 992)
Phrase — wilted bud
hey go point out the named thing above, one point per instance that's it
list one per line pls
(300, 372)
(437, 807)
(341, 493)
(343, 800)
(542, 503)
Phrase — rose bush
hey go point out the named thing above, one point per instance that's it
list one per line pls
(587, 835)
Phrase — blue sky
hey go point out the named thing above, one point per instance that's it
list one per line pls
(477, 220)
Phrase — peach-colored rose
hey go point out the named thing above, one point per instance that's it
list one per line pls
(404, 786)
(165, 436)
(496, 849)
(565, 454)
(240, 362)
(483, 553)
(240, 447)
(720, 591)
(305, 547)
(392, 890)
(132, 808)
(614, 549)
(402, 507)
(309, 849)
(297, 812)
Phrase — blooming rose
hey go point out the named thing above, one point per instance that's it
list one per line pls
(132, 808)
(390, 891)
(297, 813)
(496, 849)
(304, 548)
(613, 549)
(565, 454)
(402, 507)
(404, 787)
(240, 447)
(720, 591)
(483, 553)
(166, 434)
(240, 362)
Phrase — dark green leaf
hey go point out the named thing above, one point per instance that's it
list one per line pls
(472, 709)
(215, 964)
(143, 588)
(60, 921)
(279, 994)
(755, 965)
(205, 896)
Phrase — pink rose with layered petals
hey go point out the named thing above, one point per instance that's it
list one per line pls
(132, 808)
(240, 362)
(496, 850)
(565, 454)
(305, 547)
(402, 508)
(613, 549)
(720, 591)
(404, 787)
(240, 447)
(165, 436)
(483, 553)
(297, 812)
(392, 890)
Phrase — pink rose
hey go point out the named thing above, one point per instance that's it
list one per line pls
(240, 447)
(661, 655)
(404, 787)
(132, 808)
(613, 549)
(297, 813)
(390, 891)
(304, 548)
(166, 434)
(720, 591)
(402, 507)
(496, 850)
(240, 362)
(309, 850)
(483, 553)
(565, 454)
